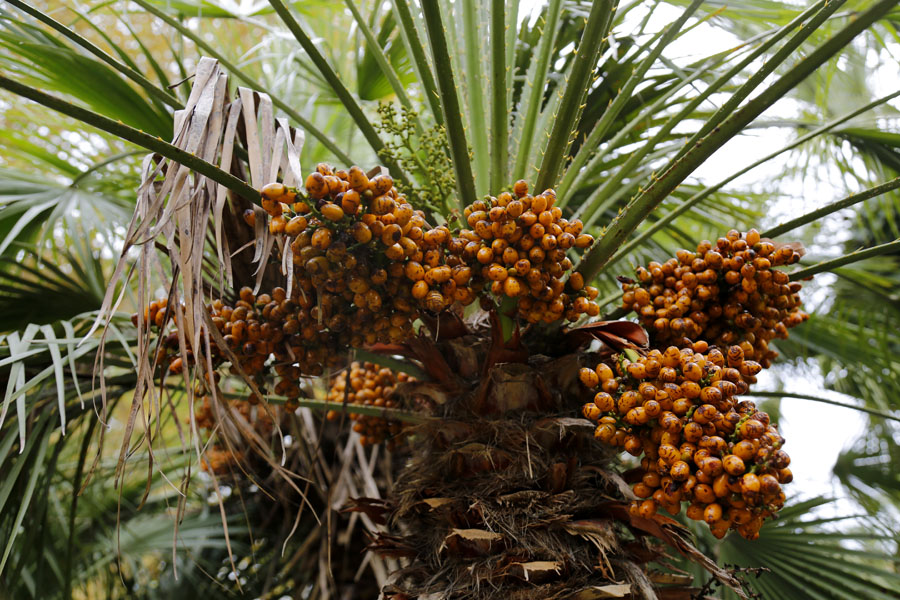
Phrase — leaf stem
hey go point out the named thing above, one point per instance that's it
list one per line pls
(134, 136)
(532, 103)
(624, 95)
(456, 134)
(237, 72)
(833, 207)
(577, 87)
(871, 411)
(499, 98)
(707, 192)
(646, 201)
(337, 86)
(419, 60)
(154, 90)
(828, 265)
(474, 88)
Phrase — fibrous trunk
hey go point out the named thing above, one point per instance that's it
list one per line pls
(508, 496)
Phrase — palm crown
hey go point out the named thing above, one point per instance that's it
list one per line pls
(457, 100)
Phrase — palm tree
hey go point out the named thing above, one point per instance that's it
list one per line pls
(616, 127)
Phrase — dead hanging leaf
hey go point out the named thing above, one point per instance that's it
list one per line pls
(180, 212)
(537, 571)
(615, 334)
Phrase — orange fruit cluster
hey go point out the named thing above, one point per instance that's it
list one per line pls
(516, 246)
(274, 324)
(700, 444)
(219, 460)
(366, 264)
(369, 385)
(365, 257)
(725, 293)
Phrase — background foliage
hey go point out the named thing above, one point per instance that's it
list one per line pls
(67, 193)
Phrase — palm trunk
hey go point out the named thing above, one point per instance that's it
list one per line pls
(506, 495)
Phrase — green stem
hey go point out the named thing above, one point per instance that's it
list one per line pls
(499, 103)
(833, 207)
(134, 136)
(393, 414)
(237, 72)
(577, 87)
(337, 86)
(419, 60)
(707, 192)
(475, 93)
(507, 314)
(624, 95)
(647, 201)
(532, 104)
(130, 73)
(871, 411)
(853, 257)
(456, 134)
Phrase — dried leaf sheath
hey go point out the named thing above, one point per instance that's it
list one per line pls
(177, 207)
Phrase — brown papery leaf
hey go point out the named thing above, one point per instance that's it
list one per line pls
(675, 535)
(374, 508)
(604, 591)
(536, 571)
(616, 334)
